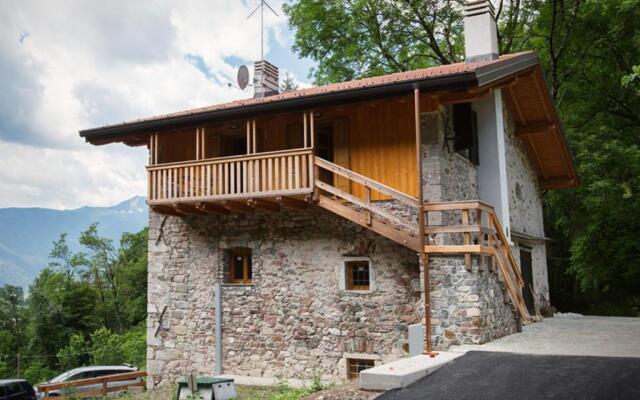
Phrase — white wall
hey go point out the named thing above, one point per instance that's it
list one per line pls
(492, 171)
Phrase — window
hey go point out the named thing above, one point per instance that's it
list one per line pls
(357, 365)
(14, 389)
(358, 276)
(240, 268)
(465, 129)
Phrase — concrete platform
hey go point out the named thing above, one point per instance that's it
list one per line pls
(402, 373)
(571, 336)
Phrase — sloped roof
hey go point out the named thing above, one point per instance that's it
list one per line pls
(527, 96)
(417, 77)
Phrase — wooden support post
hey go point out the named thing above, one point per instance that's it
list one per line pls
(313, 130)
(197, 143)
(253, 138)
(248, 137)
(315, 172)
(367, 197)
(467, 239)
(424, 258)
(304, 129)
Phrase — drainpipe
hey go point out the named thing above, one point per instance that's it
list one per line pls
(424, 258)
(218, 305)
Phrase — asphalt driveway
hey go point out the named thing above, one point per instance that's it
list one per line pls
(480, 375)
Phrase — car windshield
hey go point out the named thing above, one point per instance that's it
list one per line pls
(62, 377)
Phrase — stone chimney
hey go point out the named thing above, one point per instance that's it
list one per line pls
(480, 32)
(266, 79)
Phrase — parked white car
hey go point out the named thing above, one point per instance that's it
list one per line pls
(88, 373)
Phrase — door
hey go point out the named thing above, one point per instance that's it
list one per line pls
(526, 268)
(333, 145)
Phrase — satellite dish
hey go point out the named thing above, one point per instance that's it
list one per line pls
(243, 77)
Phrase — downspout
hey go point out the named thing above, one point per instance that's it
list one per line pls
(218, 350)
(424, 258)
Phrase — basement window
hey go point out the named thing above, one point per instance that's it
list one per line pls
(358, 275)
(357, 365)
(465, 129)
(240, 267)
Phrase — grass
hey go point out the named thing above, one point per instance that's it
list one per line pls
(279, 392)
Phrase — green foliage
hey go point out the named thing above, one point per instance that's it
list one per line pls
(76, 354)
(352, 39)
(105, 348)
(632, 80)
(84, 308)
(37, 372)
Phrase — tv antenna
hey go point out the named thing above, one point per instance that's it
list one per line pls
(261, 6)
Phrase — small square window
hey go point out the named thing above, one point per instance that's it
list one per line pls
(240, 267)
(357, 365)
(358, 276)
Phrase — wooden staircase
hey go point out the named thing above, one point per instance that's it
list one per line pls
(468, 228)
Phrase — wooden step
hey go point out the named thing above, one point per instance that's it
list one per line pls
(385, 229)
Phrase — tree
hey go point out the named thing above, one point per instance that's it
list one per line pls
(289, 84)
(357, 38)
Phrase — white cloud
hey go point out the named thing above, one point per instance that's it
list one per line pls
(72, 64)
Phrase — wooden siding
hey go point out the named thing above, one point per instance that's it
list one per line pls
(373, 138)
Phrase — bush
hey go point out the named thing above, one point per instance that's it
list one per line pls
(75, 354)
(106, 348)
(37, 372)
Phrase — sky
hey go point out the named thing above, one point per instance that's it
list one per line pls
(68, 65)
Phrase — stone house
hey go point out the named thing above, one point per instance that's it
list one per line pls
(309, 232)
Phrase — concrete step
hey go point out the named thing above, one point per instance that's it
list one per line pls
(402, 373)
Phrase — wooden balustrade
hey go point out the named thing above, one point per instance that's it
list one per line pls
(473, 228)
(94, 387)
(279, 173)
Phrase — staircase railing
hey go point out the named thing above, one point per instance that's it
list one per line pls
(473, 228)
(362, 211)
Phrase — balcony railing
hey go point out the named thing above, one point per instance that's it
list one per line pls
(279, 173)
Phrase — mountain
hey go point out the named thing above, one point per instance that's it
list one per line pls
(27, 234)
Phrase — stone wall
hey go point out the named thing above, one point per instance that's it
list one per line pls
(467, 306)
(296, 320)
(526, 208)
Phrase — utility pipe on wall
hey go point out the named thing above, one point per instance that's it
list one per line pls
(218, 305)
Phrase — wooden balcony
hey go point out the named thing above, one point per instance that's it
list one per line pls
(287, 173)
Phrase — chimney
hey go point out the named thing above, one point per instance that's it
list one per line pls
(266, 79)
(480, 32)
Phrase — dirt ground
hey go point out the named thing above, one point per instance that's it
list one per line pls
(347, 392)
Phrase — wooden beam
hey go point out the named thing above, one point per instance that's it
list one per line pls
(516, 104)
(166, 210)
(211, 208)
(290, 202)
(537, 128)
(188, 209)
(236, 206)
(377, 226)
(263, 204)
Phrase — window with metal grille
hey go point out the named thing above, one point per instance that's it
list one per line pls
(357, 365)
(358, 276)
(240, 268)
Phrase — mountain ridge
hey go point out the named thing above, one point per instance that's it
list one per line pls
(27, 233)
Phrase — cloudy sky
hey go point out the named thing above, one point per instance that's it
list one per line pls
(67, 65)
